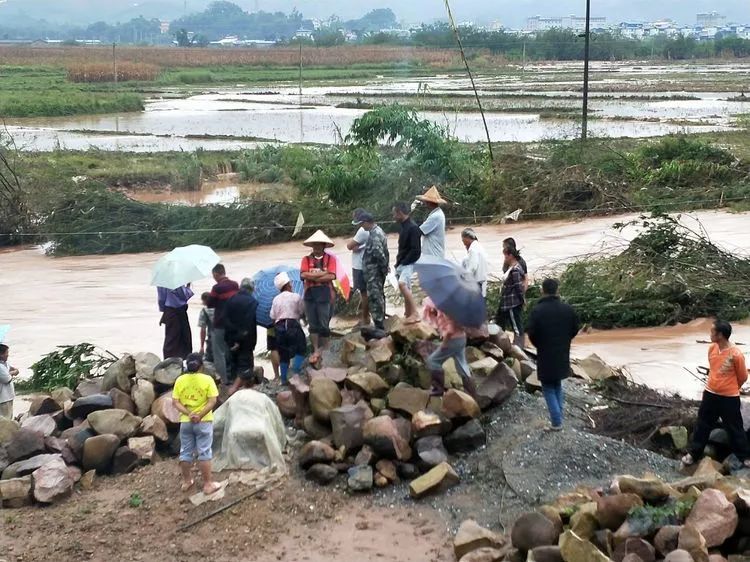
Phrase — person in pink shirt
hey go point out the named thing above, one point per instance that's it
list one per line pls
(286, 310)
(452, 346)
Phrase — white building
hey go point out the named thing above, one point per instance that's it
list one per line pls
(575, 23)
(710, 19)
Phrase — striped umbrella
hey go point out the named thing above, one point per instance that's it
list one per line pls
(265, 291)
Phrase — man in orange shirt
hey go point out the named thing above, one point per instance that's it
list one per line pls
(721, 398)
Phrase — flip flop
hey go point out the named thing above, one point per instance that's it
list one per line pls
(187, 485)
(215, 487)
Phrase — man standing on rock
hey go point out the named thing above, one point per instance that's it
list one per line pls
(222, 291)
(7, 392)
(357, 247)
(552, 326)
(318, 271)
(721, 397)
(433, 228)
(241, 334)
(409, 251)
(173, 305)
(375, 261)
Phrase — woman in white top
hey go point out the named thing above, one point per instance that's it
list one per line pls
(475, 261)
(7, 392)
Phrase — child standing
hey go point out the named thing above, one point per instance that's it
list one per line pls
(452, 345)
(7, 392)
(286, 310)
(194, 395)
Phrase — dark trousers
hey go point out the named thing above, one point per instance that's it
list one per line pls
(178, 338)
(713, 407)
(241, 358)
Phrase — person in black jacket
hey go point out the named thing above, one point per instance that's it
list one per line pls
(551, 327)
(409, 251)
(241, 334)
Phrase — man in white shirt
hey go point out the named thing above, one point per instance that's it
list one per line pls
(475, 261)
(433, 227)
(7, 392)
(357, 246)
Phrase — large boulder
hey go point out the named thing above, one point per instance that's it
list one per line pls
(87, 404)
(408, 400)
(122, 401)
(649, 489)
(533, 529)
(332, 373)
(486, 554)
(459, 405)
(168, 371)
(413, 332)
(287, 405)
(163, 407)
(546, 554)
(145, 363)
(8, 428)
(24, 444)
(471, 536)
(667, 538)
(316, 452)
(44, 424)
(98, 452)
(62, 395)
(368, 383)
(15, 492)
(154, 426)
(692, 541)
(118, 374)
(439, 478)
(466, 438)
(43, 405)
(89, 387)
(496, 388)
(483, 367)
(680, 555)
(382, 350)
(575, 549)
(324, 397)
(143, 395)
(52, 482)
(117, 422)
(714, 517)
(595, 368)
(430, 452)
(383, 435)
(314, 428)
(348, 423)
(426, 423)
(611, 511)
(143, 447)
(61, 446)
(77, 436)
(22, 468)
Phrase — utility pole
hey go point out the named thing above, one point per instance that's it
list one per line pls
(300, 71)
(585, 122)
(523, 68)
(114, 62)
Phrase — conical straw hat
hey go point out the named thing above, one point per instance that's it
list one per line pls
(319, 238)
(432, 196)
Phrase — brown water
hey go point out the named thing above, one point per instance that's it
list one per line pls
(225, 191)
(107, 300)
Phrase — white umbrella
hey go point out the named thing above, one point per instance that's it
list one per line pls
(184, 265)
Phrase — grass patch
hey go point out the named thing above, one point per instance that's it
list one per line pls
(68, 103)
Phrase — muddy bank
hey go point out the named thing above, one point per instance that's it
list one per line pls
(107, 299)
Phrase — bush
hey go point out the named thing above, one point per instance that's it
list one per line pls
(67, 366)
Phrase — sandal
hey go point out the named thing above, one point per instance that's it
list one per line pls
(687, 460)
(212, 488)
(187, 485)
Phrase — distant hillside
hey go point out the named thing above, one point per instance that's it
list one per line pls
(80, 12)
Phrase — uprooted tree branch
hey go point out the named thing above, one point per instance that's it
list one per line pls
(14, 216)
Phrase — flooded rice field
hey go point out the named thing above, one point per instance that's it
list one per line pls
(537, 103)
(107, 300)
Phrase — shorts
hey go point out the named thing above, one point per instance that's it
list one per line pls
(196, 440)
(271, 342)
(405, 274)
(358, 279)
(318, 317)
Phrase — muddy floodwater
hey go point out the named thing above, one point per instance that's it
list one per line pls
(107, 300)
(539, 103)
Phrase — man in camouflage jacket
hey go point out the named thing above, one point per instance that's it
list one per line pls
(375, 259)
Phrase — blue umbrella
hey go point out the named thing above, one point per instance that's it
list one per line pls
(265, 291)
(453, 290)
(4, 329)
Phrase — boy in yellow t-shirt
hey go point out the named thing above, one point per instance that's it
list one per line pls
(194, 395)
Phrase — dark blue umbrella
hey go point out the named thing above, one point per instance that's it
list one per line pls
(265, 291)
(453, 290)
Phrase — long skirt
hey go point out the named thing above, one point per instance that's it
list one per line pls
(178, 337)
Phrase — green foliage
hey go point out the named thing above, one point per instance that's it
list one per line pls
(350, 173)
(67, 366)
(135, 500)
(53, 104)
(193, 77)
(655, 517)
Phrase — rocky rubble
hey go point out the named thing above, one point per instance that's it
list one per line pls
(702, 518)
(112, 424)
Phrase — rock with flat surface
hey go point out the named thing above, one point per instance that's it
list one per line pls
(383, 435)
(98, 452)
(459, 405)
(412, 333)
(369, 383)
(471, 536)
(118, 374)
(666, 539)
(496, 387)
(324, 397)
(546, 554)
(143, 395)
(649, 489)
(314, 428)
(144, 447)
(679, 556)
(439, 478)
(714, 517)
(8, 428)
(43, 405)
(388, 469)
(89, 387)
(426, 423)
(637, 546)
(382, 350)
(575, 549)
(154, 426)
(145, 363)
(335, 374)
(360, 478)
(596, 368)
(25, 467)
(168, 371)
(15, 492)
(483, 367)
(117, 422)
(316, 452)
(408, 400)
(466, 438)
(122, 401)
(163, 407)
(24, 444)
(533, 529)
(52, 482)
(347, 423)
(44, 424)
(692, 541)
(430, 452)
(85, 405)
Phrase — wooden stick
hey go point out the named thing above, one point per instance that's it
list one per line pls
(630, 403)
(221, 509)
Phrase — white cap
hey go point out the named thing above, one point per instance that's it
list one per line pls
(281, 281)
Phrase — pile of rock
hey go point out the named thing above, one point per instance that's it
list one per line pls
(373, 418)
(108, 425)
(702, 518)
